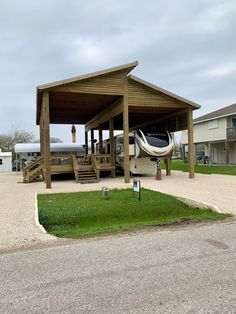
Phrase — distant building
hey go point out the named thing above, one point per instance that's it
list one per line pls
(5, 161)
(216, 133)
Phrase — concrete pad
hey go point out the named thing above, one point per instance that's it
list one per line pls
(17, 200)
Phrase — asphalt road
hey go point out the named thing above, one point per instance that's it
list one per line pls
(178, 270)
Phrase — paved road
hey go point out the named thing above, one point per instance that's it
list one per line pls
(179, 270)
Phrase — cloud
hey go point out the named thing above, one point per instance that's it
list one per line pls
(185, 46)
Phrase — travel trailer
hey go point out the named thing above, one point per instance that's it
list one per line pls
(26, 153)
(144, 150)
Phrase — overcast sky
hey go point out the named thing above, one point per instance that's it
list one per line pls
(187, 47)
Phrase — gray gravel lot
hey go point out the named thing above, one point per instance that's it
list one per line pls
(17, 200)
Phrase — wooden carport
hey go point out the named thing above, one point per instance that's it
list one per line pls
(111, 100)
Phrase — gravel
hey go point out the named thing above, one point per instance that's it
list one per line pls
(17, 200)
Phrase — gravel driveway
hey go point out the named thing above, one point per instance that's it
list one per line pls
(17, 200)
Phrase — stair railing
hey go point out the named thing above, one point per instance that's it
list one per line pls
(95, 166)
(32, 166)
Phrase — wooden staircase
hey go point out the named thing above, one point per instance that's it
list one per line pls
(84, 171)
(33, 171)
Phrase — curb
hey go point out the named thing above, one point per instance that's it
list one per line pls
(36, 216)
(193, 203)
(201, 205)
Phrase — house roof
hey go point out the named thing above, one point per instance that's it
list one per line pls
(223, 112)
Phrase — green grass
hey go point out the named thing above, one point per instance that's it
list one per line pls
(75, 215)
(200, 168)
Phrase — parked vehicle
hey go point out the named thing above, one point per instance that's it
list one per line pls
(144, 149)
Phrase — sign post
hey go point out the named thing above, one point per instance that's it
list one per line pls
(137, 188)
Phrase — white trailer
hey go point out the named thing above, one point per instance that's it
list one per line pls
(5, 161)
(144, 150)
(29, 152)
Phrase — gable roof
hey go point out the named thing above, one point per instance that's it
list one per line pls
(84, 100)
(223, 112)
(128, 67)
(163, 91)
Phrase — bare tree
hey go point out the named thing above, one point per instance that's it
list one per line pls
(55, 140)
(52, 140)
(10, 139)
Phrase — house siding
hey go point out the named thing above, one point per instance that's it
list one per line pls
(201, 132)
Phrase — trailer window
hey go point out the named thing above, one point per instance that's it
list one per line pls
(140, 135)
(159, 139)
(120, 140)
(131, 140)
(0, 161)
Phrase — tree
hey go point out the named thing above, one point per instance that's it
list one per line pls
(55, 140)
(52, 140)
(15, 136)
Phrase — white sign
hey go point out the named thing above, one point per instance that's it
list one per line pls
(136, 186)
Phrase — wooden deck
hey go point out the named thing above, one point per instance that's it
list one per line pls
(86, 169)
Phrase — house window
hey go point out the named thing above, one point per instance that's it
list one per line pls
(233, 122)
(0, 161)
(213, 124)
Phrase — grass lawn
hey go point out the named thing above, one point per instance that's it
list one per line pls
(74, 215)
(205, 169)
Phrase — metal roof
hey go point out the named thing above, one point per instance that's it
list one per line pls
(55, 147)
(5, 154)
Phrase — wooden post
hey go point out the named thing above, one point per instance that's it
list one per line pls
(86, 143)
(190, 144)
(100, 139)
(73, 132)
(46, 140)
(92, 141)
(126, 132)
(41, 138)
(112, 145)
(167, 163)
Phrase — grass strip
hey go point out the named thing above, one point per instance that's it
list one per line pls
(201, 168)
(74, 215)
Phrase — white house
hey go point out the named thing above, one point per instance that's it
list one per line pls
(5, 161)
(216, 132)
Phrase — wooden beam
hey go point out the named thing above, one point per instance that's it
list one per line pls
(167, 163)
(157, 120)
(46, 140)
(100, 139)
(41, 139)
(126, 132)
(113, 110)
(112, 145)
(92, 141)
(86, 142)
(83, 89)
(190, 144)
